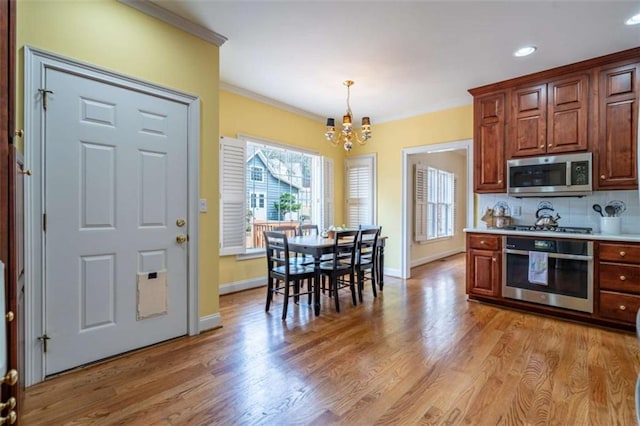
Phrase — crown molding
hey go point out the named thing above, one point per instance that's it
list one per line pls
(152, 9)
(269, 101)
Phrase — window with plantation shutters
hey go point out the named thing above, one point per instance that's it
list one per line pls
(264, 185)
(360, 190)
(327, 191)
(232, 196)
(434, 203)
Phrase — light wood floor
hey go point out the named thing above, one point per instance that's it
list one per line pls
(418, 354)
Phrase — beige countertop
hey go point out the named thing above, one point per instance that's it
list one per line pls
(594, 236)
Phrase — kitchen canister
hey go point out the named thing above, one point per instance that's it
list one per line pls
(610, 225)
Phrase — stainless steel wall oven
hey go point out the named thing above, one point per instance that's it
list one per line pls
(567, 272)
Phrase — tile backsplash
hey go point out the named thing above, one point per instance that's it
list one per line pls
(573, 211)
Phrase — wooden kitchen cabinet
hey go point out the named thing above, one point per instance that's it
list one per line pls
(588, 106)
(489, 139)
(484, 262)
(619, 281)
(617, 126)
(549, 118)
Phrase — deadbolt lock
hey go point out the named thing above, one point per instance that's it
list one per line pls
(181, 239)
(181, 222)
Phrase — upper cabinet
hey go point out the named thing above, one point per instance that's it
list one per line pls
(617, 126)
(549, 118)
(488, 147)
(589, 106)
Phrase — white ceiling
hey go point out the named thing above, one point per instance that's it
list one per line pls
(407, 57)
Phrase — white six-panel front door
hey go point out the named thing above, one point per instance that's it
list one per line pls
(115, 189)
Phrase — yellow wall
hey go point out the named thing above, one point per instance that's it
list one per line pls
(239, 114)
(389, 139)
(114, 36)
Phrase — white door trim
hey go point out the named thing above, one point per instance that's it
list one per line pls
(405, 248)
(36, 61)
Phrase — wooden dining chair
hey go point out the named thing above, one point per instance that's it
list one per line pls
(308, 229)
(285, 277)
(342, 264)
(366, 259)
(377, 268)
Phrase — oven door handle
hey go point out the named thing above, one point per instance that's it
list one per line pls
(551, 255)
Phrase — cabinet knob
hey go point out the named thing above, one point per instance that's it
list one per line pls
(549, 145)
(623, 308)
(623, 254)
(622, 278)
(541, 146)
(11, 378)
(494, 259)
(9, 316)
(602, 177)
(483, 242)
(499, 180)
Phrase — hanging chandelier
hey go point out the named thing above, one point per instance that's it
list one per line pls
(347, 135)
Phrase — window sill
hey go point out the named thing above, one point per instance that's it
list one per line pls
(251, 254)
(436, 240)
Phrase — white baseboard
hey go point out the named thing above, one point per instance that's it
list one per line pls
(242, 285)
(209, 322)
(392, 272)
(422, 261)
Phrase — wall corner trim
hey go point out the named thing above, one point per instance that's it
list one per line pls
(158, 12)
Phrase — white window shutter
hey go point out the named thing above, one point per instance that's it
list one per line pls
(327, 192)
(420, 202)
(233, 210)
(359, 189)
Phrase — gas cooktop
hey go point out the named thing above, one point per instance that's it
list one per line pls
(569, 229)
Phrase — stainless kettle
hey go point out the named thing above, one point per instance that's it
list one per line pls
(544, 217)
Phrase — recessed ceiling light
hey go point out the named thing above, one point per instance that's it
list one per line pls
(634, 20)
(524, 51)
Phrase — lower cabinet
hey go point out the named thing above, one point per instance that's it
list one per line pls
(619, 281)
(484, 264)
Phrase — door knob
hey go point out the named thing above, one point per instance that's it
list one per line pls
(181, 222)
(181, 239)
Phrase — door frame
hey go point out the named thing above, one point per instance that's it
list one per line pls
(36, 62)
(405, 247)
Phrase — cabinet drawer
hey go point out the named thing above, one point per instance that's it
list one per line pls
(618, 306)
(484, 242)
(625, 253)
(616, 277)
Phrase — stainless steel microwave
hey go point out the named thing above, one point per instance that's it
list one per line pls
(550, 176)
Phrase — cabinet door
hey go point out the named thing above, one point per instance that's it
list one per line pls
(488, 143)
(567, 110)
(483, 272)
(617, 127)
(528, 121)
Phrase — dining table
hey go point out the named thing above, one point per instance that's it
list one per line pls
(316, 246)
